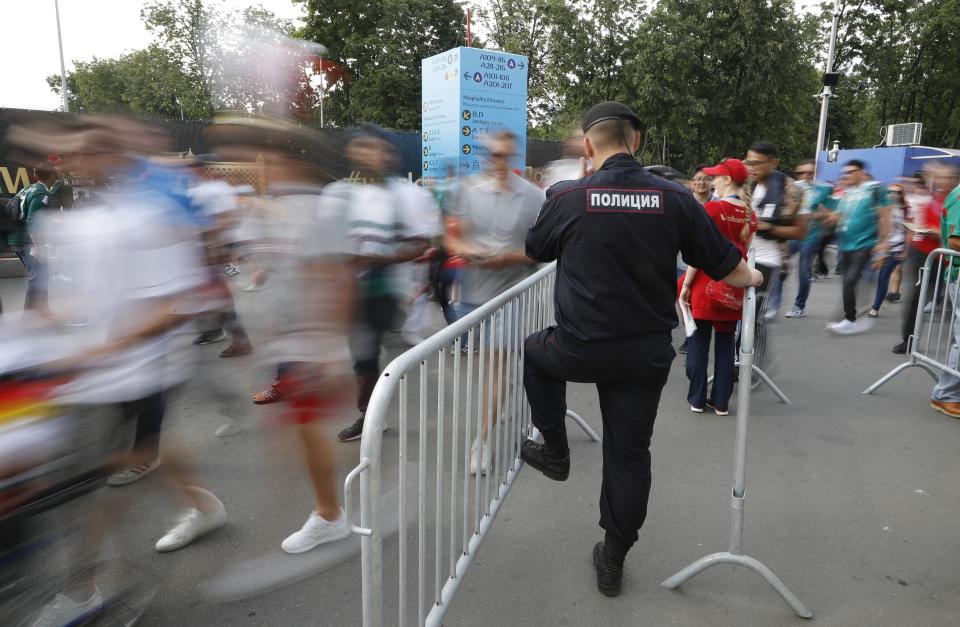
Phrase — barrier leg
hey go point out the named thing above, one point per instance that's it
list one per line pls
(770, 384)
(739, 560)
(890, 375)
(583, 425)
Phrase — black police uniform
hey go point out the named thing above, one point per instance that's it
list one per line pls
(615, 235)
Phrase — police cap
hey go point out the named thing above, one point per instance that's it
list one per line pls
(609, 110)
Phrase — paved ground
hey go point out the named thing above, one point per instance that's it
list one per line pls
(852, 501)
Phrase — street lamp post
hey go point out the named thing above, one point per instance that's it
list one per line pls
(63, 67)
(829, 80)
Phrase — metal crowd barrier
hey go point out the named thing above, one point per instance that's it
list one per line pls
(454, 508)
(925, 352)
(734, 554)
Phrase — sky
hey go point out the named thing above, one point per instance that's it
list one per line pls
(91, 28)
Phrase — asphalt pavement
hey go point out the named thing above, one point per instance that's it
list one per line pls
(851, 501)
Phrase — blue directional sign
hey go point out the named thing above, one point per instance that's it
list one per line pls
(468, 93)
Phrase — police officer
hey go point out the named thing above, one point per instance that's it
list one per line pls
(615, 235)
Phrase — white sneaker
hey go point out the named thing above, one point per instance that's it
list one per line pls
(845, 327)
(192, 525)
(928, 308)
(478, 466)
(317, 530)
(65, 611)
(795, 312)
(129, 474)
(696, 410)
(771, 316)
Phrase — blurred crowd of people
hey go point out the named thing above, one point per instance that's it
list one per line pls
(124, 287)
(882, 235)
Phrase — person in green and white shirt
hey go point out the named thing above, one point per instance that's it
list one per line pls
(863, 225)
(35, 199)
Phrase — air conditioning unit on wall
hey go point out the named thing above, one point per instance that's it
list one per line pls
(904, 134)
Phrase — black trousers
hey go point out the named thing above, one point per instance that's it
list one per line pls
(908, 284)
(629, 376)
(148, 413)
(375, 316)
(854, 263)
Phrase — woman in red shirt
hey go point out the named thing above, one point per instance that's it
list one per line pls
(717, 307)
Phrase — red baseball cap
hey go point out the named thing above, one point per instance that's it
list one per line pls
(733, 168)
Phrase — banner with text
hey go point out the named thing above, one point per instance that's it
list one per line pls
(468, 93)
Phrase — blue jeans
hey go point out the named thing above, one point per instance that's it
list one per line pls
(808, 251)
(698, 352)
(776, 291)
(494, 330)
(36, 278)
(883, 280)
(947, 389)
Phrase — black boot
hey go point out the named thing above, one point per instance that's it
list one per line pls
(609, 571)
(542, 457)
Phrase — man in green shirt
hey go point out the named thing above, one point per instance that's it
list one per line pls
(863, 223)
(21, 241)
(946, 393)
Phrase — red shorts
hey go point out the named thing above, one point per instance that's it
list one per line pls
(309, 400)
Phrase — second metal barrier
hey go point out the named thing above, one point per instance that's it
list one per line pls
(927, 350)
(734, 554)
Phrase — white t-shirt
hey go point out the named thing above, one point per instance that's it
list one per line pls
(383, 217)
(306, 227)
(123, 258)
(213, 197)
(767, 251)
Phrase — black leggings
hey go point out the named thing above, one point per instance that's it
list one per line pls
(148, 412)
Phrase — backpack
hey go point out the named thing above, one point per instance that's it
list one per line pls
(14, 212)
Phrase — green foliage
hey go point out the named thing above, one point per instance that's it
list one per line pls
(706, 78)
(181, 28)
(533, 28)
(147, 82)
(379, 45)
(709, 79)
(899, 61)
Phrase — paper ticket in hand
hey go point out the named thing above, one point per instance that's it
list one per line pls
(689, 326)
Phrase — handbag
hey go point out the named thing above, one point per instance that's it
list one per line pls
(723, 296)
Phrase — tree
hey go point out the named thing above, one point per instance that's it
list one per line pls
(187, 30)
(379, 46)
(532, 28)
(587, 64)
(898, 61)
(145, 82)
(709, 79)
(201, 60)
